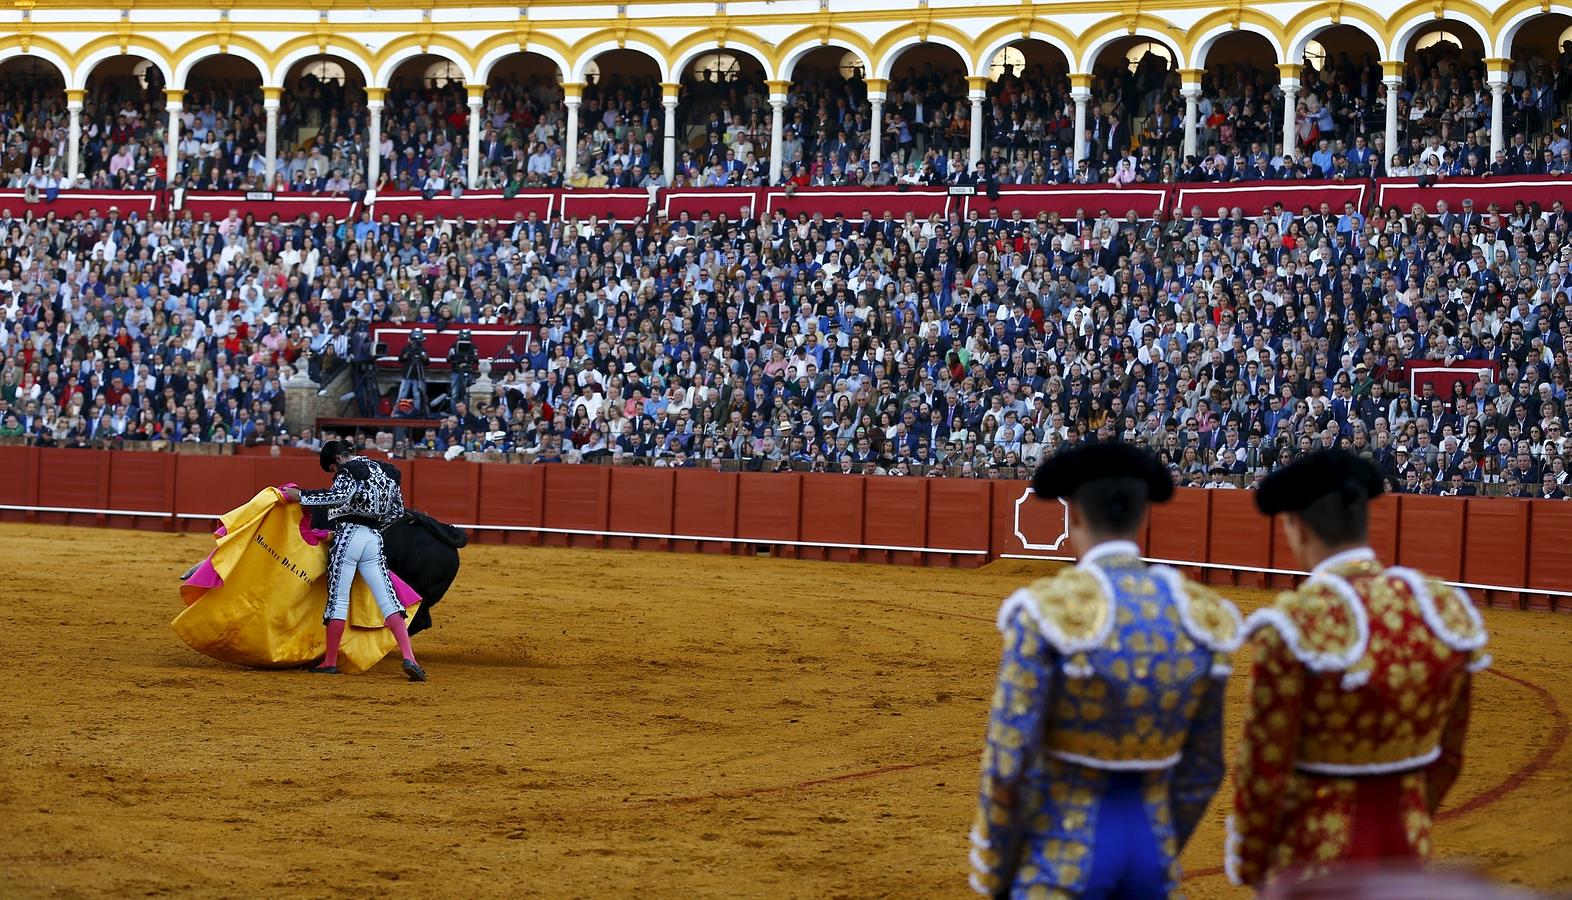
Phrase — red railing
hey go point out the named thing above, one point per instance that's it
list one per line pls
(630, 205)
(1509, 554)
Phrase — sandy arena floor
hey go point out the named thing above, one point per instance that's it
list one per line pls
(597, 724)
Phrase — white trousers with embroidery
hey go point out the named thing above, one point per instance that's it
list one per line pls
(357, 548)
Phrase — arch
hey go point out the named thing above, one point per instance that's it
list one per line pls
(690, 48)
(809, 39)
(1000, 36)
(891, 46)
(585, 51)
(1146, 26)
(1308, 27)
(404, 49)
(1415, 22)
(503, 46)
(1526, 11)
(51, 52)
(295, 51)
(1210, 33)
(109, 46)
(194, 52)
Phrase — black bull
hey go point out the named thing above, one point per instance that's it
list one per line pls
(420, 550)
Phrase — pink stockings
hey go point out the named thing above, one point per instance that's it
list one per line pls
(395, 623)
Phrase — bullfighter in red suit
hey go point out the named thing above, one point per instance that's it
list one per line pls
(1360, 695)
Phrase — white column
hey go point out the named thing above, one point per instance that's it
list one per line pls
(270, 103)
(1080, 92)
(1497, 79)
(477, 100)
(74, 137)
(374, 100)
(1290, 85)
(573, 95)
(778, 93)
(174, 102)
(669, 95)
(875, 128)
(1191, 92)
(1393, 87)
(977, 94)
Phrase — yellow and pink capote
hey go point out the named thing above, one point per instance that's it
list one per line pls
(257, 600)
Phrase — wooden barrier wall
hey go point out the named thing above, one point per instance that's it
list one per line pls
(1510, 554)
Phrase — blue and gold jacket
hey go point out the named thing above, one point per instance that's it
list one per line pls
(1109, 666)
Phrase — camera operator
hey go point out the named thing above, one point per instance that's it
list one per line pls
(465, 362)
(363, 362)
(414, 360)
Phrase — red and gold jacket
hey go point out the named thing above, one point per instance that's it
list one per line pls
(1355, 721)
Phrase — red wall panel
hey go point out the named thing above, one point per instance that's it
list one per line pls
(1384, 522)
(705, 503)
(213, 485)
(1018, 514)
(832, 508)
(893, 512)
(1237, 536)
(448, 490)
(959, 514)
(19, 476)
(142, 481)
(1550, 538)
(1180, 527)
(642, 500)
(75, 478)
(1430, 535)
(511, 495)
(270, 471)
(575, 497)
(1495, 547)
(769, 506)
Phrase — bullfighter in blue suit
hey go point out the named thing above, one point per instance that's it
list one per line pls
(1104, 742)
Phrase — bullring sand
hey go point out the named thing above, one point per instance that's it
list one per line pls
(597, 724)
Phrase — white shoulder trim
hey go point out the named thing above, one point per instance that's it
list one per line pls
(1176, 587)
(1427, 608)
(978, 886)
(1231, 859)
(1480, 662)
(1319, 662)
(978, 840)
(1061, 642)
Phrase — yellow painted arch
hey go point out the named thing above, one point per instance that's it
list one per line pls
(297, 50)
(1005, 33)
(1099, 36)
(1194, 51)
(684, 51)
(1311, 22)
(889, 48)
(793, 48)
(546, 46)
(434, 45)
(53, 52)
(194, 51)
(89, 55)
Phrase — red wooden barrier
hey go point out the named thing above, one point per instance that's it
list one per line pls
(770, 508)
(832, 510)
(642, 501)
(1495, 549)
(1430, 535)
(513, 496)
(1511, 553)
(954, 520)
(1236, 538)
(575, 500)
(704, 504)
(1549, 537)
(1180, 530)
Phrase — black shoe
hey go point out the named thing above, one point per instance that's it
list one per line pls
(323, 670)
(413, 671)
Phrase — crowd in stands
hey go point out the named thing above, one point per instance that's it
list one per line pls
(1229, 341)
(1135, 129)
